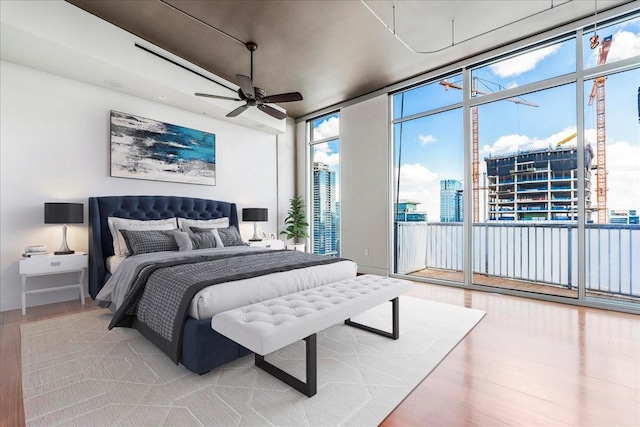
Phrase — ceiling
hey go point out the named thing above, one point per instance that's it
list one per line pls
(332, 51)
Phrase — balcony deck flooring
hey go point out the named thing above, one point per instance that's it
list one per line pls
(506, 283)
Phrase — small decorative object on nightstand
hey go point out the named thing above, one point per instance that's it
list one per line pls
(269, 244)
(52, 264)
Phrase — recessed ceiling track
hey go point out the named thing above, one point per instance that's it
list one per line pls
(159, 55)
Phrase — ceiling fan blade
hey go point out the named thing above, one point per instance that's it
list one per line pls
(206, 95)
(246, 85)
(272, 111)
(284, 97)
(238, 110)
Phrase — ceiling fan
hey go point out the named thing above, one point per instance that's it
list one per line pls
(254, 96)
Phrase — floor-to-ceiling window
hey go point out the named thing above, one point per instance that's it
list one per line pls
(324, 144)
(428, 171)
(548, 175)
(612, 131)
(526, 202)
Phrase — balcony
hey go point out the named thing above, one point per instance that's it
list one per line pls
(535, 257)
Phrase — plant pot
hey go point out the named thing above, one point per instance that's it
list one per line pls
(297, 247)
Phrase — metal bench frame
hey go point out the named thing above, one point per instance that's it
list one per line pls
(310, 388)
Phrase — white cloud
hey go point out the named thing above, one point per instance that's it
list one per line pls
(418, 183)
(522, 63)
(327, 129)
(426, 139)
(625, 44)
(623, 176)
(323, 148)
(416, 174)
(326, 158)
(512, 143)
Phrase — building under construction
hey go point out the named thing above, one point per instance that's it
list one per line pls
(537, 185)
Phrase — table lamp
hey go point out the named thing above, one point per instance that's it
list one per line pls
(256, 215)
(63, 213)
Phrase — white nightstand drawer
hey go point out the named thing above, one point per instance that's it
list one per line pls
(269, 244)
(47, 264)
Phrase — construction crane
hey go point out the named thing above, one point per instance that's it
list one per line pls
(567, 139)
(598, 94)
(475, 165)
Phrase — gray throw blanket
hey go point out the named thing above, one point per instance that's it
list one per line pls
(159, 298)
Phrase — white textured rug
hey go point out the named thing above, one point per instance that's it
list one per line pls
(76, 372)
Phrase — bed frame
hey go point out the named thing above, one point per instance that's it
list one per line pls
(203, 349)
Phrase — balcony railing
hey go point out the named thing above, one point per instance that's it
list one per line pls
(543, 253)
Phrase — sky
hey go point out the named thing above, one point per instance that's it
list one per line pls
(328, 152)
(431, 148)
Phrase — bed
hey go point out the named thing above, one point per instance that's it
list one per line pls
(201, 348)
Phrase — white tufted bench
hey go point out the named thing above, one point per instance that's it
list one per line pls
(270, 325)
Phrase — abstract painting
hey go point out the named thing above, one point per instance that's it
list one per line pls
(147, 149)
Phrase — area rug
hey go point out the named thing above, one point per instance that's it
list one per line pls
(75, 372)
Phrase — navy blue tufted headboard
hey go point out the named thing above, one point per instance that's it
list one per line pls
(144, 208)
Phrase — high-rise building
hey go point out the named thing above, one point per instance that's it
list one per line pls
(537, 185)
(325, 239)
(407, 211)
(624, 217)
(451, 201)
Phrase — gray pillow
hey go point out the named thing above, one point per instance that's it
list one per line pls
(230, 237)
(189, 241)
(146, 241)
(203, 240)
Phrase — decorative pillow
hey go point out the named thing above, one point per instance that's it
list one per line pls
(213, 231)
(186, 224)
(230, 237)
(117, 224)
(189, 241)
(183, 240)
(145, 241)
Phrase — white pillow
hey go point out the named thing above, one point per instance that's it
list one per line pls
(185, 224)
(117, 224)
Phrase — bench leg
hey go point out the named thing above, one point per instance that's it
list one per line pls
(395, 313)
(310, 387)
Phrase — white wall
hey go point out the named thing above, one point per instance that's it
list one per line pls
(364, 184)
(54, 146)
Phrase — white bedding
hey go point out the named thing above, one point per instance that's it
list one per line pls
(113, 262)
(225, 296)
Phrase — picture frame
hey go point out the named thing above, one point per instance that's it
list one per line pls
(143, 148)
(273, 236)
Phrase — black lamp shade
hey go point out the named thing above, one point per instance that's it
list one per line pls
(255, 214)
(63, 213)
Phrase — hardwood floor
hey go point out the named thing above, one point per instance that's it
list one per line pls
(527, 363)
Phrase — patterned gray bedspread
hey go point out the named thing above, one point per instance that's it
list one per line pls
(159, 298)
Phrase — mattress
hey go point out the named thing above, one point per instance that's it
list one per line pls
(225, 296)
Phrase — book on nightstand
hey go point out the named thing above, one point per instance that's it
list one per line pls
(30, 251)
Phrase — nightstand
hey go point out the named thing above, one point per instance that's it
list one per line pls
(270, 244)
(42, 265)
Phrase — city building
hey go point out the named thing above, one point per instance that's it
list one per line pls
(451, 201)
(407, 211)
(537, 185)
(624, 217)
(324, 230)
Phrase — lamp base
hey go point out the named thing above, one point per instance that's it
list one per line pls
(64, 252)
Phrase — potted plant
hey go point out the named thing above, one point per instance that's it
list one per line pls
(296, 222)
